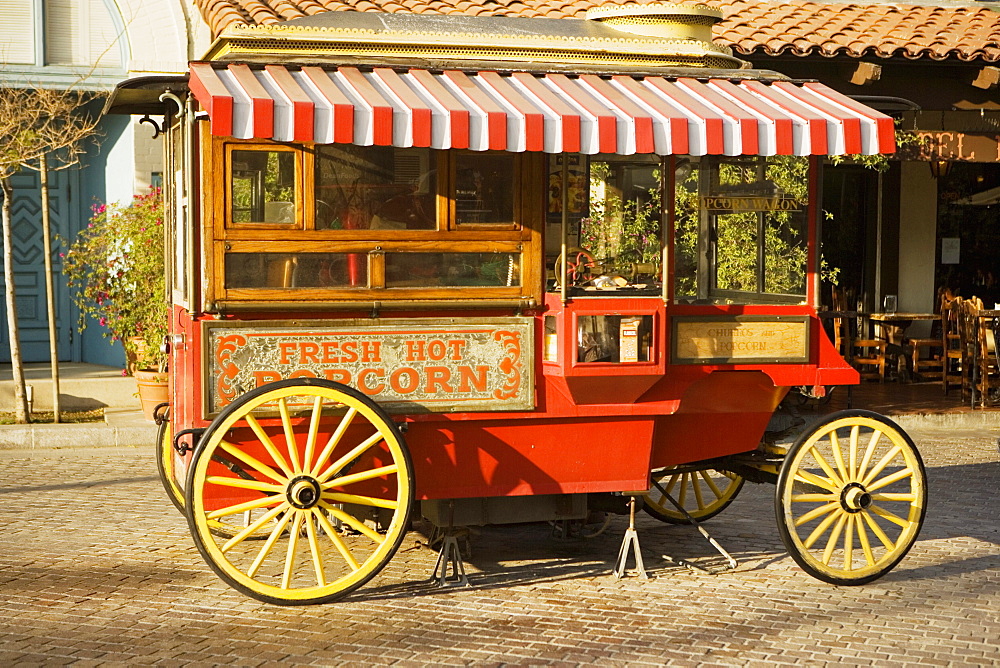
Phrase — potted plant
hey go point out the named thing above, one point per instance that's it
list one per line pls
(115, 266)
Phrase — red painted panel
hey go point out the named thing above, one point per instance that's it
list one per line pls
(214, 98)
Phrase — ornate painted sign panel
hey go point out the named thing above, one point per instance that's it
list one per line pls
(469, 364)
(741, 339)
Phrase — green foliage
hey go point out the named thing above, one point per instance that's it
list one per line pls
(744, 238)
(116, 268)
(620, 229)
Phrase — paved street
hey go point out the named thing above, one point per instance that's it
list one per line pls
(97, 567)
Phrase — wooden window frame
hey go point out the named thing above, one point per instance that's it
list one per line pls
(522, 237)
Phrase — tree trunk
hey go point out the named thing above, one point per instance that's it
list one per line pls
(50, 297)
(20, 395)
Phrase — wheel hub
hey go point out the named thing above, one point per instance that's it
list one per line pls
(303, 492)
(855, 498)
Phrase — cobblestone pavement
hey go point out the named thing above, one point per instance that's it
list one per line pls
(97, 567)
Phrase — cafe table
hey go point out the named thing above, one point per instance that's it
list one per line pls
(893, 325)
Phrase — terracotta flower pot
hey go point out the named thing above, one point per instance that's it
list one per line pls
(153, 390)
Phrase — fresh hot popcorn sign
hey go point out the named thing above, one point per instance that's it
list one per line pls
(482, 364)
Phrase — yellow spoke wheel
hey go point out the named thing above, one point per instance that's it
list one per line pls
(165, 464)
(320, 472)
(851, 498)
(703, 494)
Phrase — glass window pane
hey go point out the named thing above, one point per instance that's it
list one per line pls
(740, 229)
(296, 270)
(263, 187)
(375, 187)
(613, 338)
(406, 270)
(484, 188)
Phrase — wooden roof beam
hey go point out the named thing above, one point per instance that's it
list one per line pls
(865, 73)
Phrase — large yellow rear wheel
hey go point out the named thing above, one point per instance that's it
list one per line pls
(319, 469)
(851, 498)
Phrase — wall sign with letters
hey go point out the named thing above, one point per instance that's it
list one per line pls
(741, 339)
(404, 365)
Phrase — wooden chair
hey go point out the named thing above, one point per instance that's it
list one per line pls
(864, 353)
(982, 355)
(952, 316)
(933, 365)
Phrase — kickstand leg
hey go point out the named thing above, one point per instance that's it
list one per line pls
(630, 542)
(729, 558)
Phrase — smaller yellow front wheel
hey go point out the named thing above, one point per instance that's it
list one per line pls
(703, 493)
(165, 463)
(851, 497)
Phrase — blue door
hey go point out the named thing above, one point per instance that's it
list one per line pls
(29, 266)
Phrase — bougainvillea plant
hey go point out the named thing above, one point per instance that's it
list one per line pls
(115, 271)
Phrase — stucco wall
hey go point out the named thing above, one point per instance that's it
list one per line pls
(917, 242)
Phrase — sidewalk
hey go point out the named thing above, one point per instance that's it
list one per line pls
(81, 387)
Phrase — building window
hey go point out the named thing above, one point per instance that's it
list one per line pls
(61, 33)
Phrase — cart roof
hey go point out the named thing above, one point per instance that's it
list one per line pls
(691, 113)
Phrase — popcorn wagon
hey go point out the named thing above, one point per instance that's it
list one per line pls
(491, 270)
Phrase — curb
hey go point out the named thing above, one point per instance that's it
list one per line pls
(120, 429)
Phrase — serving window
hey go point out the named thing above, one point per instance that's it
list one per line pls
(740, 229)
(345, 223)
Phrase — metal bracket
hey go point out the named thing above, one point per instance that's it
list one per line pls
(183, 448)
(157, 128)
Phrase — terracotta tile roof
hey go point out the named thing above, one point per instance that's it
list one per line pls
(750, 27)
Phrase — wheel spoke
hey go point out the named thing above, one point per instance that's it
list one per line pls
(361, 476)
(293, 543)
(892, 517)
(317, 556)
(831, 543)
(334, 468)
(337, 541)
(697, 491)
(820, 530)
(849, 543)
(869, 453)
(815, 480)
(247, 505)
(825, 465)
(339, 497)
(889, 479)
(909, 498)
(878, 468)
(290, 441)
(838, 455)
(684, 488)
(269, 544)
(252, 462)
(331, 445)
(268, 444)
(313, 434)
(866, 545)
(816, 512)
(243, 484)
(852, 467)
(352, 521)
(673, 481)
(813, 498)
(877, 530)
(248, 531)
(711, 484)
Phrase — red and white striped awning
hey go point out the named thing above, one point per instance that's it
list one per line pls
(554, 113)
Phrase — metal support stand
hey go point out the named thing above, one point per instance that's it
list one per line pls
(731, 561)
(450, 555)
(631, 541)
